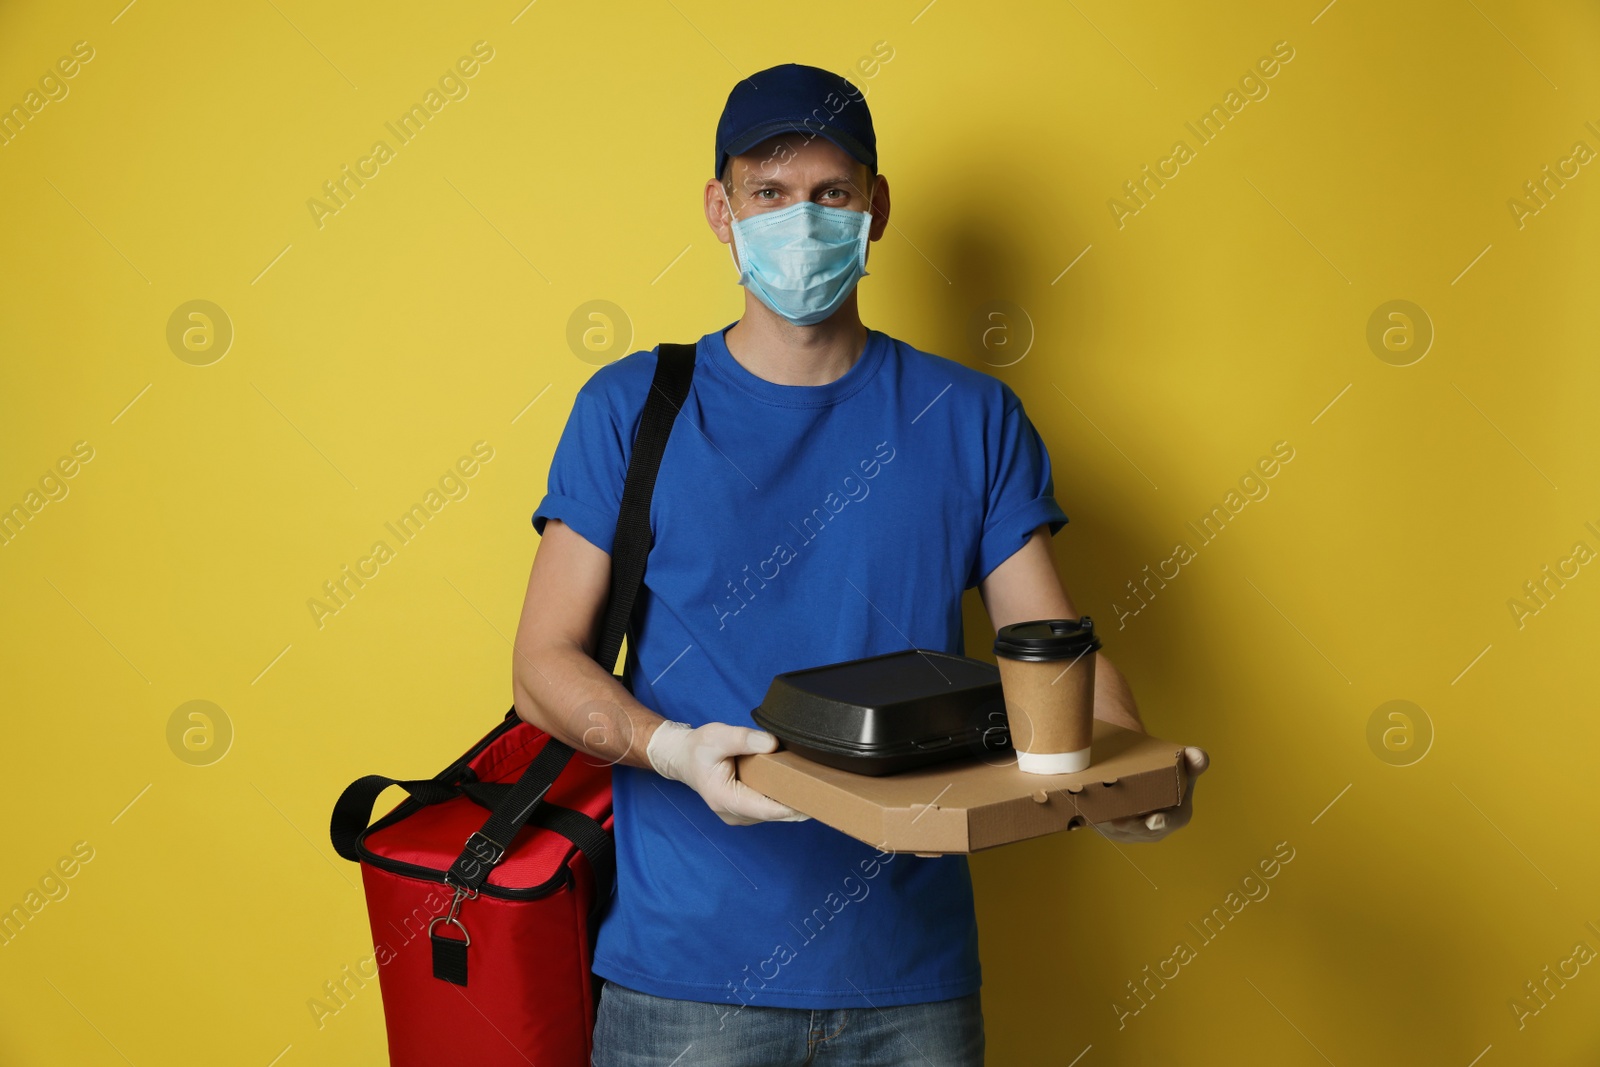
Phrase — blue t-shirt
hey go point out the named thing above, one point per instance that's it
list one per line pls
(794, 526)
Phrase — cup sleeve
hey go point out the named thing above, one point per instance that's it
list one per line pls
(1020, 489)
(584, 489)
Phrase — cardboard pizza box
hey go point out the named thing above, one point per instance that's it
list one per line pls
(973, 804)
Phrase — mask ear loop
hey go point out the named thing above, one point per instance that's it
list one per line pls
(734, 229)
(866, 227)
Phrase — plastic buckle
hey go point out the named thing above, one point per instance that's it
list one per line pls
(486, 849)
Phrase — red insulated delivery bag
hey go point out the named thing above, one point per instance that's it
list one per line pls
(486, 885)
(523, 937)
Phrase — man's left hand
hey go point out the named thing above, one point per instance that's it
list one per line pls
(1153, 826)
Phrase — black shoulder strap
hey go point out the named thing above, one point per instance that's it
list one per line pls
(674, 370)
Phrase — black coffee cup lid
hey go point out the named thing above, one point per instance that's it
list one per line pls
(1047, 639)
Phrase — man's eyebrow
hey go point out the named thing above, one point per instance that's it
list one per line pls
(755, 183)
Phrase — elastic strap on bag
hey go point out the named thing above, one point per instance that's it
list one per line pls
(580, 828)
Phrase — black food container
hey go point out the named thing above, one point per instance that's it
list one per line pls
(889, 713)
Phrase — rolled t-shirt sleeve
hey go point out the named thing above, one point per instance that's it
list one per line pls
(1020, 488)
(584, 489)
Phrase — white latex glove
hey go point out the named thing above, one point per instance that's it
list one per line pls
(702, 759)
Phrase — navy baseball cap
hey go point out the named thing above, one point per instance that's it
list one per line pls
(794, 98)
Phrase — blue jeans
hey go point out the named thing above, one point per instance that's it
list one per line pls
(634, 1029)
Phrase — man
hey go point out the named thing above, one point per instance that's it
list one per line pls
(827, 493)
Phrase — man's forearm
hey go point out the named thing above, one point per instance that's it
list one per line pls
(565, 692)
(1113, 699)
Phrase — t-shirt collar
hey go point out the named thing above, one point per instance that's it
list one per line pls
(714, 350)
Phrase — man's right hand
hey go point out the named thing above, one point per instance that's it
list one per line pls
(702, 758)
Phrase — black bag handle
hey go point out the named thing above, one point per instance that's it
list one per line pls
(668, 389)
(353, 811)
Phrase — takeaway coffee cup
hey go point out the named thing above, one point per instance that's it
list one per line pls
(1047, 679)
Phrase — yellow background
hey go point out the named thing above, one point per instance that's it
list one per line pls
(1228, 314)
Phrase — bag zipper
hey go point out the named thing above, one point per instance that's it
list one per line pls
(555, 884)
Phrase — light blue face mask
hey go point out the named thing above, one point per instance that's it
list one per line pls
(804, 260)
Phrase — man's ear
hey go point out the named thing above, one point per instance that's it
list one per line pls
(880, 209)
(718, 211)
